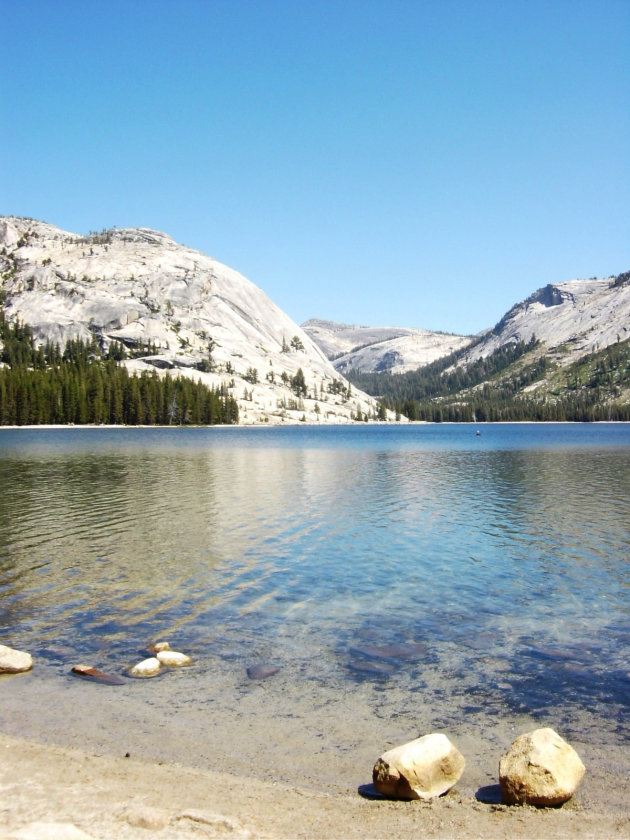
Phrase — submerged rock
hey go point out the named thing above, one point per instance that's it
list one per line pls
(14, 661)
(373, 668)
(540, 768)
(147, 668)
(261, 672)
(89, 673)
(406, 650)
(172, 658)
(420, 769)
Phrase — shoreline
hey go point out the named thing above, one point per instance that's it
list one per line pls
(106, 796)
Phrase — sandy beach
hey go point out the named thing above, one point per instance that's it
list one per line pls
(52, 792)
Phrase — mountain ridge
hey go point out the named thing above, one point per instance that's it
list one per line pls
(202, 319)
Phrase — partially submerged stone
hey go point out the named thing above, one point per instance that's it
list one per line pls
(14, 661)
(420, 769)
(147, 668)
(172, 658)
(156, 647)
(90, 673)
(540, 768)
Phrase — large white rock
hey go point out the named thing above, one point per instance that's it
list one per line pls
(14, 661)
(147, 668)
(540, 768)
(172, 657)
(420, 769)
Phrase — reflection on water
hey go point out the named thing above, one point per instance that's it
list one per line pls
(490, 576)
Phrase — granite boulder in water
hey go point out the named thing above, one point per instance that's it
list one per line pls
(14, 661)
(540, 768)
(420, 769)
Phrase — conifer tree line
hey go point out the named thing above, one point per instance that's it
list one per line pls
(80, 384)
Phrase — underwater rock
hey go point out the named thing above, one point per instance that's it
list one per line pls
(372, 668)
(261, 672)
(540, 768)
(407, 650)
(172, 657)
(14, 661)
(147, 668)
(89, 673)
(420, 769)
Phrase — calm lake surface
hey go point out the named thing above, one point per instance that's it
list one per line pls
(402, 580)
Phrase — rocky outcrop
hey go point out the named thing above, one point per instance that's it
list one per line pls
(14, 661)
(421, 769)
(540, 768)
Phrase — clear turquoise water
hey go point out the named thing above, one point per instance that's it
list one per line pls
(409, 578)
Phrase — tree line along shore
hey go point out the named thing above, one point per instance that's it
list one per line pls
(81, 384)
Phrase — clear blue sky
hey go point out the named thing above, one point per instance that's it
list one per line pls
(403, 162)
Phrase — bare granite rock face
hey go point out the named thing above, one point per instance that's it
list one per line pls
(540, 768)
(420, 769)
(14, 661)
(176, 311)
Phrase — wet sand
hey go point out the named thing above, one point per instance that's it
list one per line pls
(46, 789)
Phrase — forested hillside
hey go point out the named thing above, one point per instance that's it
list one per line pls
(519, 381)
(79, 384)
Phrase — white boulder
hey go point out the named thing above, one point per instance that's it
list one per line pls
(14, 661)
(147, 668)
(540, 768)
(172, 657)
(420, 769)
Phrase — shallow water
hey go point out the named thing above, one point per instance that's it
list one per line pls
(402, 580)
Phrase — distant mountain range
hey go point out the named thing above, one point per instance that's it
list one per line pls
(170, 308)
(571, 319)
(563, 353)
(392, 349)
(164, 307)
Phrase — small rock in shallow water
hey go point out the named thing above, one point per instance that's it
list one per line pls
(14, 661)
(540, 768)
(372, 668)
(420, 769)
(261, 672)
(157, 647)
(147, 668)
(89, 673)
(172, 657)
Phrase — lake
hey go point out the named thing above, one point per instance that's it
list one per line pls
(402, 579)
